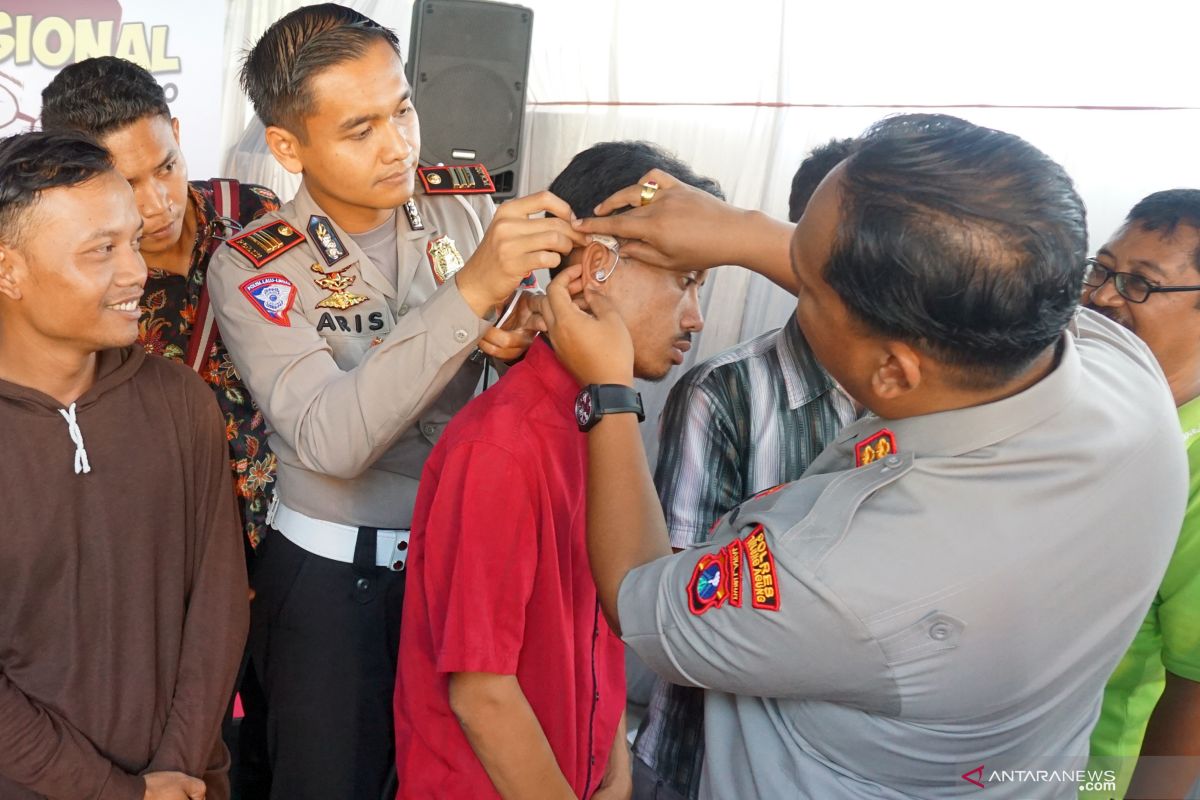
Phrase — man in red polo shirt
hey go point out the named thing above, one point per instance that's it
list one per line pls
(510, 682)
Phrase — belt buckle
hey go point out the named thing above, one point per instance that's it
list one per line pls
(272, 509)
(398, 550)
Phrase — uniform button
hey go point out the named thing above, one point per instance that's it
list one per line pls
(939, 631)
(892, 461)
(593, 761)
(429, 429)
(461, 336)
(404, 309)
(398, 566)
(363, 584)
(401, 546)
(597, 695)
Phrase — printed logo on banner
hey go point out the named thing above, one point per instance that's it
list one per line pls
(40, 37)
(55, 34)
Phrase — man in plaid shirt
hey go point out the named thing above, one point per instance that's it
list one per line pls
(744, 421)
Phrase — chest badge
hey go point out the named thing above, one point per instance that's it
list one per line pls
(328, 243)
(880, 444)
(336, 283)
(444, 258)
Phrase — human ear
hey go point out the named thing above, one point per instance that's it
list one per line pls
(11, 265)
(175, 129)
(897, 373)
(599, 262)
(285, 147)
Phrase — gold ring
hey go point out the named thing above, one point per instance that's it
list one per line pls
(648, 190)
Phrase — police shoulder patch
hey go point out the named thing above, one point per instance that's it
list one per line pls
(760, 562)
(272, 295)
(878, 445)
(717, 579)
(267, 242)
(459, 179)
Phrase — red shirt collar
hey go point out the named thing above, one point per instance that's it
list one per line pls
(550, 372)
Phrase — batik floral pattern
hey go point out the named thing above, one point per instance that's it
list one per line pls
(168, 306)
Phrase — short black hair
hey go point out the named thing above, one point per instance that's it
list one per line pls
(101, 95)
(31, 163)
(967, 241)
(608, 167)
(1163, 212)
(813, 170)
(277, 72)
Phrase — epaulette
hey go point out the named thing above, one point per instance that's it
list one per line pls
(266, 242)
(878, 445)
(458, 179)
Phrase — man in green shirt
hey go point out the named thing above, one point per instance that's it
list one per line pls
(1147, 278)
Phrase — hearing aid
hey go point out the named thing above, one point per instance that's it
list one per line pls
(609, 242)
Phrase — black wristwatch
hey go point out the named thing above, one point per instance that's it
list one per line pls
(596, 400)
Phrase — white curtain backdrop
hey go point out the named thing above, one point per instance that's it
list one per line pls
(742, 91)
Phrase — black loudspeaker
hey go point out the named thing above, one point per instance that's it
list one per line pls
(468, 62)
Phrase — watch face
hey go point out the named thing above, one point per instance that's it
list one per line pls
(583, 407)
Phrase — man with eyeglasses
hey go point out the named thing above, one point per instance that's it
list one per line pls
(1147, 278)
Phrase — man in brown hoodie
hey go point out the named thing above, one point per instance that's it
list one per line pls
(122, 581)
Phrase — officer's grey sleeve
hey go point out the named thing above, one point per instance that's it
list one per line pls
(339, 422)
(803, 643)
(1091, 328)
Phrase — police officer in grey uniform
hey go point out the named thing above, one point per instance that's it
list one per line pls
(937, 604)
(351, 313)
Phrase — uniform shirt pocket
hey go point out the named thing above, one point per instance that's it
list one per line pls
(933, 633)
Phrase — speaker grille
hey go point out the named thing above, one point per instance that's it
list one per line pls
(470, 108)
(468, 65)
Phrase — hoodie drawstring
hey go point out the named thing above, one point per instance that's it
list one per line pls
(81, 458)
